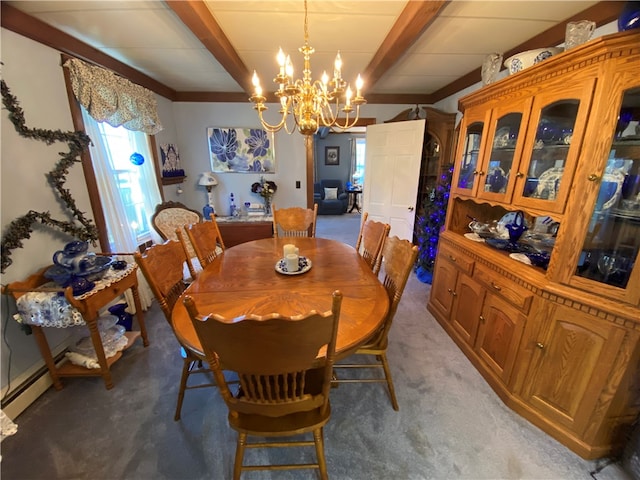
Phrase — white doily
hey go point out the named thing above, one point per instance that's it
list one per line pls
(51, 309)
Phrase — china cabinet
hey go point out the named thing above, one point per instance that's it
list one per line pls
(552, 319)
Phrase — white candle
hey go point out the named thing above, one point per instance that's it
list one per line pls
(292, 262)
(287, 249)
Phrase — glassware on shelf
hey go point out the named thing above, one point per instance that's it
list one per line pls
(610, 250)
(551, 149)
(469, 160)
(491, 67)
(502, 152)
(577, 33)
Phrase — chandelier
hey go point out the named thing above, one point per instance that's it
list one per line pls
(312, 104)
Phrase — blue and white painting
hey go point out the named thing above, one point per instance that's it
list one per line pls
(241, 150)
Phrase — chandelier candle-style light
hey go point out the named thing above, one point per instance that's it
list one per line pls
(312, 104)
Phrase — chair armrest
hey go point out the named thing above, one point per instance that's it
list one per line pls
(343, 196)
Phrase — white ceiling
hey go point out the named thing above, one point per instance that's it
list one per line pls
(151, 38)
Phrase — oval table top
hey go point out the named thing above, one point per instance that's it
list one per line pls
(243, 280)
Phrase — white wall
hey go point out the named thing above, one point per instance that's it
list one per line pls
(33, 74)
(192, 120)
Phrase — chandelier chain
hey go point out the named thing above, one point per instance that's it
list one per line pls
(311, 104)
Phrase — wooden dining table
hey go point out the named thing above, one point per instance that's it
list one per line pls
(243, 280)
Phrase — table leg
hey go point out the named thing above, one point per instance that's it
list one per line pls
(45, 351)
(139, 315)
(92, 323)
(355, 203)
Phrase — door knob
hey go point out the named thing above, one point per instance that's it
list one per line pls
(540, 345)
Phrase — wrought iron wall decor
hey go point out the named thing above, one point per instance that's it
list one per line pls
(21, 228)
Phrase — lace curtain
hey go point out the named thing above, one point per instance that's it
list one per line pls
(113, 99)
(121, 236)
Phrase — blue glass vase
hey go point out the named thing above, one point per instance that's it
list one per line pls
(629, 17)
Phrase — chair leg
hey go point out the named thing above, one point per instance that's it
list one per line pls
(186, 368)
(237, 466)
(387, 374)
(318, 438)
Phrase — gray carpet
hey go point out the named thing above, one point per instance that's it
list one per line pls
(450, 425)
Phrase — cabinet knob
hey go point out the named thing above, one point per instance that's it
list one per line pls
(519, 174)
(454, 293)
(449, 290)
(496, 287)
(593, 177)
(452, 258)
(482, 319)
(410, 208)
(540, 345)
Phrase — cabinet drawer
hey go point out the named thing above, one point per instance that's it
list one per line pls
(518, 296)
(458, 258)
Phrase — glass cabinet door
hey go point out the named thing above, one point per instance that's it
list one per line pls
(465, 177)
(611, 246)
(554, 138)
(506, 133)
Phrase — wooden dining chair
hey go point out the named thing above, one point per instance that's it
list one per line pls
(171, 216)
(161, 265)
(295, 221)
(398, 258)
(206, 240)
(370, 240)
(284, 386)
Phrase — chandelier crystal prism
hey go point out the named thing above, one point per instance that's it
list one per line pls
(311, 104)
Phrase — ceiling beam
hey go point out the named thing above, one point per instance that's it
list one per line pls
(412, 22)
(198, 18)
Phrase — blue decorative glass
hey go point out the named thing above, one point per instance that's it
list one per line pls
(629, 17)
(207, 211)
(136, 159)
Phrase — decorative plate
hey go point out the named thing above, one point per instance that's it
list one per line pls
(474, 237)
(549, 183)
(304, 265)
(610, 190)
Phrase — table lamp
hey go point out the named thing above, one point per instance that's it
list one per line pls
(208, 180)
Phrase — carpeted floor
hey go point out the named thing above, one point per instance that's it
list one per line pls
(451, 425)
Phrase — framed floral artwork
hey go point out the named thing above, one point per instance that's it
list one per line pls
(241, 150)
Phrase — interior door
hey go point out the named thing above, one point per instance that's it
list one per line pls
(392, 171)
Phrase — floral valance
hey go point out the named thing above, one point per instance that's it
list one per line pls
(113, 99)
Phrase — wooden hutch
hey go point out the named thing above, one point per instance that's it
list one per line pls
(559, 343)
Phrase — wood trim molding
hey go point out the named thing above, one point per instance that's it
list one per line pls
(87, 167)
(601, 13)
(13, 19)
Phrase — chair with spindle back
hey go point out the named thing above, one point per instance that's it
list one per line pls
(284, 385)
(162, 266)
(295, 221)
(398, 258)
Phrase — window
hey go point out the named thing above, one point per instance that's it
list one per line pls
(126, 178)
(358, 175)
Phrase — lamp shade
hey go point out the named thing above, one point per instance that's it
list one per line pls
(207, 179)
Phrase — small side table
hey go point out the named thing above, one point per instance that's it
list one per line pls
(88, 305)
(353, 193)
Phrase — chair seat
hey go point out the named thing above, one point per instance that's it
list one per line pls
(294, 423)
